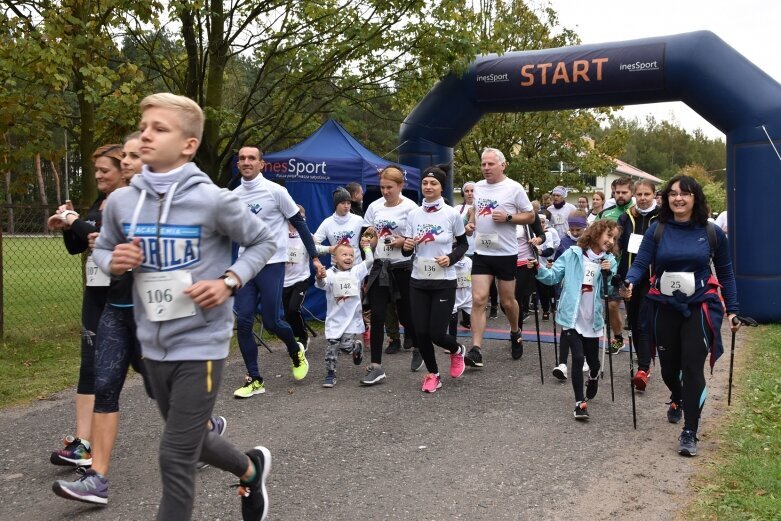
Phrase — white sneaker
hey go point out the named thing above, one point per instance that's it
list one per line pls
(585, 367)
(560, 371)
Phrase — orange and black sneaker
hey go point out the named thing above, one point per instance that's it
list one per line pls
(675, 412)
(581, 411)
(640, 380)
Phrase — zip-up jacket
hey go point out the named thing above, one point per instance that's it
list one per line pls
(632, 222)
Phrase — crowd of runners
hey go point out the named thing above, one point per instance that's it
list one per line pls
(164, 288)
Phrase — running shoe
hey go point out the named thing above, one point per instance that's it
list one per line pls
(251, 387)
(417, 361)
(545, 315)
(494, 312)
(330, 379)
(640, 380)
(592, 386)
(675, 412)
(560, 371)
(688, 443)
(219, 426)
(408, 343)
(581, 411)
(431, 382)
(457, 365)
(616, 345)
(300, 365)
(394, 346)
(474, 358)
(254, 498)
(466, 322)
(585, 367)
(357, 352)
(516, 345)
(76, 453)
(374, 375)
(91, 487)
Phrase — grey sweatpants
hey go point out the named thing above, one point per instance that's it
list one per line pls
(185, 393)
(346, 345)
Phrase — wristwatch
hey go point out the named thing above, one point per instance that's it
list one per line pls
(231, 282)
(509, 217)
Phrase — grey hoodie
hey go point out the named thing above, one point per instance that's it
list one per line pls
(189, 228)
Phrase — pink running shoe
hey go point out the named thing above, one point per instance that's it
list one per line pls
(457, 365)
(431, 382)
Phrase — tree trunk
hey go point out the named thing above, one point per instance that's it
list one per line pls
(217, 53)
(41, 189)
(89, 189)
(57, 188)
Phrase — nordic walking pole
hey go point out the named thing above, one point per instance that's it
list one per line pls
(631, 363)
(746, 321)
(539, 345)
(605, 277)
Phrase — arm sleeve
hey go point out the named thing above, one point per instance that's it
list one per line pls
(459, 249)
(369, 260)
(299, 224)
(321, 234)
(722, 262)
(111, 234)
(623, 244)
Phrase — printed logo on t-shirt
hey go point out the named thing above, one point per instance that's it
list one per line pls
(486, 206)
(427, 232)
(384, 228)
(343, 237)
(254, 208)
(173, 247)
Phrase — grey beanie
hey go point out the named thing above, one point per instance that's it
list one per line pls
(341, 195)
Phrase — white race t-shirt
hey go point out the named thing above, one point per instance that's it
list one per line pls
(343, 311)
(498, 238)
(271, 204)
(463, 285)
(436, 232)
(463, 211)
(558, 217)
(388, 222)
(341, 229)
(297, 265)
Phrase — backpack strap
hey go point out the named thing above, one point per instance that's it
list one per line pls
(658, 232)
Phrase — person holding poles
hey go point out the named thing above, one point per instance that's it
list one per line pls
(683, 308)
(431, 230)
(634, 223)
(580, 312)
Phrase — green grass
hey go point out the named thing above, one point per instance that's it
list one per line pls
(743, 481)
(42, 289)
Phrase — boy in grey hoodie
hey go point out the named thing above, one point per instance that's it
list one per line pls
(173, 228)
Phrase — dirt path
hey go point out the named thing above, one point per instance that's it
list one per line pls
(493, 445)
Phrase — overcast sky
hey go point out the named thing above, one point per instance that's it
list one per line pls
(750, 26)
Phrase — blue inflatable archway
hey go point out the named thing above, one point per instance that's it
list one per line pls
(697, 68)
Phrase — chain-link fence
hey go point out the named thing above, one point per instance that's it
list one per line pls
(41, 283)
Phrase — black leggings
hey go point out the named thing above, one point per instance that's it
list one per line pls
(117, 349)
(641, 340)
(525, 285)
(292, 300)
(583, 348)
(683, 344)
(545, 294)
(92, 305)
(431, 312)
(379, 298)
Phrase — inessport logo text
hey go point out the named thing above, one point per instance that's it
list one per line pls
(493, 78)
(298, 169)
(639, 66)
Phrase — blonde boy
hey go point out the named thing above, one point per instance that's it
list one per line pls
(173, 227)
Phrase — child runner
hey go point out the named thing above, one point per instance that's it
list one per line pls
(343, 227)
(296, 282)
(577, 223)
(173, 227)
(580, 311)
(430, 233)
(343, 318)
(463, 293)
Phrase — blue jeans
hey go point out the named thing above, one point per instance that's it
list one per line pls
(265, 289)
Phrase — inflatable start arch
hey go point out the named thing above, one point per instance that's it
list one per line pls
(697, 68)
